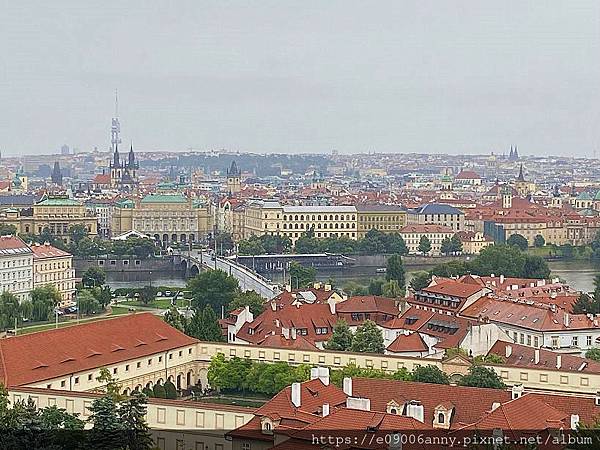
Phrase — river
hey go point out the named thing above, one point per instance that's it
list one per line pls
(578, 274)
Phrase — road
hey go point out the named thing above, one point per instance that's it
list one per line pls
(246, 278)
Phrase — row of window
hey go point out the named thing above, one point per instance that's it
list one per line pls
(115, 370)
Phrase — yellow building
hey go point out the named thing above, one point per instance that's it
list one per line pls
(412, 235)
(54, 267)
(473, 242)
(384, 218)
(54, 214)
(267, 217)
(169, 218)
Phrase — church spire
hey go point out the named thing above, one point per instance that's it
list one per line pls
(521, 177)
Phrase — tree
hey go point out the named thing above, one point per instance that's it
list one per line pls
(132, 415)
(251, 246)
(213, 287)
(450, 269)
(204, 325)
(159, 391)
(392, 289)
(499, 259)
(368, 339)
(87, 303)
(375, 286)
(593, 353)
(43, 301)
(148, 392)
(7, 229)
(395, 270)
(224, 242)
(103, 295)
(420, 280)
(535, 267)
(341, 338)
(519, 241)
(539, 241)
(446, 246)
(424, 245)
(481, 376)
(55, 418)
(77, 233)
(176, 320)
(170, 390)
(491, 358)
(107, 426)
(93, 277)
(110, 385)
(456, 245)
(10, 310)
(248, 298)
(396, 244)
(430, 374)
(148, 294)
(301, 276)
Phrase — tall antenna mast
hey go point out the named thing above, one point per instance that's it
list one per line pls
(115, 129)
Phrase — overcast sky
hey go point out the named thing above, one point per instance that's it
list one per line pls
(307, 76)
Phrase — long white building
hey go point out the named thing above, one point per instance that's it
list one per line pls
(16, 267)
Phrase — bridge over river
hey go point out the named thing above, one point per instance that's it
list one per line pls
(195, 261)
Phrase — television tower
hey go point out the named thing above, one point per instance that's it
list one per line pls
(115, 129)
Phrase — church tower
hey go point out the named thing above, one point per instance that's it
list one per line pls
(506, 197)
(234, 179)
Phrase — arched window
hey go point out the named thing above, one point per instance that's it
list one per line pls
(441, 418)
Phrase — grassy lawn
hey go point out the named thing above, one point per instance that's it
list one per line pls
(116, 311)
(159, 303)
(539, 251)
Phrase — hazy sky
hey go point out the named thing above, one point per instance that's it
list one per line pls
(308, 76)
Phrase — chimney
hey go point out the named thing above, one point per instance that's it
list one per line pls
(517, 391)
(495, 406)
(347, 387)
(293, 334)
(574, 421)
(415, 410)
(273, 305)
(362, 404)
(536, 356)
(501, 279)
(558, 361)
(321, 373)
(508, 351)
(325, 409)
(566, 319)
(327, 287)
(296, 401)
(331, 303)
(317, 285)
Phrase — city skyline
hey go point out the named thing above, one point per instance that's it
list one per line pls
(471, 78)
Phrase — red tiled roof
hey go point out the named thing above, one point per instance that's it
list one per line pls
(47, 251)
(527, 314)
(408, 343)
(313, 395)
(102, 179)
(467, 175)
(526, 413)
(453, 288)
(13, 243)
(280, 341)
(524, 356)
(369, 304)
(50, 354)
(470, 403)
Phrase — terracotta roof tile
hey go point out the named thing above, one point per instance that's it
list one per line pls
(50, 354)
